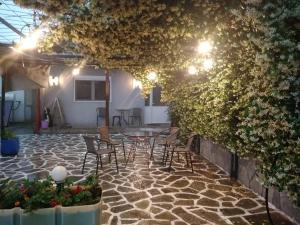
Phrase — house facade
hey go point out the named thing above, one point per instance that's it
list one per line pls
(80, 95)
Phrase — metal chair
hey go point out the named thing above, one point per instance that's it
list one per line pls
(94, 146)
(165, 138)
(100, 111)
(179, 149)
(117, 142)
(136, 115)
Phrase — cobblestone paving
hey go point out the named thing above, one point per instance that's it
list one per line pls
(146, 196)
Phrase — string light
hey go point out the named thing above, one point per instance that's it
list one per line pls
(192, 70)
(208, 64)
(204, 47)
(152, 76)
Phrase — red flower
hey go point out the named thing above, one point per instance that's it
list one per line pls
(53, 202)
(23, 189)
(77, 189)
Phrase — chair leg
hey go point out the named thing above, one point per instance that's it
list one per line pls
(123, 145)
(100, 161)
(97, 158)
(116, 161)
(152, 149)
(164, 155)
(191, 162)
(178, 157)
(186, 158)
(84, 162)
(109, 158)
(171, 160)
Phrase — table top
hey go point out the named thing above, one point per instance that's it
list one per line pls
(142, 132)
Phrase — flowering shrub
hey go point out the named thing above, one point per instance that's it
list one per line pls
(32, 195)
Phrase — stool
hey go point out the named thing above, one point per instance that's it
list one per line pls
(118, 118)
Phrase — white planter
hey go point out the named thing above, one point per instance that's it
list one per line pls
(73, 215)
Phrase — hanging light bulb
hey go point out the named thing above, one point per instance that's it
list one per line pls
(204, 47)
(208, 64)
(76, 71)
(192, 70)
(152, 75)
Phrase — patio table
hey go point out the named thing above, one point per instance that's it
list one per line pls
(141, 140)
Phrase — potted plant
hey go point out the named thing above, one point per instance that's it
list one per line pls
(41, 202)
(10, 144)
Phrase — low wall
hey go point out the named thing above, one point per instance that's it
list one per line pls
(246, 175)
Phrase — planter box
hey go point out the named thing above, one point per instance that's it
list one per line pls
(73, 215)
(10, 146)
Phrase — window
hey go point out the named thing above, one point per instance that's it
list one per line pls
(154, 98)
(89, 88)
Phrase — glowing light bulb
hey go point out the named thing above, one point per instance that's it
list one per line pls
(30, 41)
(204, 47)
(76, 71)
(192, 70)
(136, 84)
(208, 64)
(152, 76)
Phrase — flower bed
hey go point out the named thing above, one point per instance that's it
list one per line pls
(39, 202)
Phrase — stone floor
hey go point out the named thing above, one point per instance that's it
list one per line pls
(141, 195)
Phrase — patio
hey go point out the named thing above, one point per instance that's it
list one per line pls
(138, 195)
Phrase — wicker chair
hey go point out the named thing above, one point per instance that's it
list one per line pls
(95, 146)
(179, 149)
(117, 142)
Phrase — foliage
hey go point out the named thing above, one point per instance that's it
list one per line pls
(249, 101)
(36, 194)
(8, 134)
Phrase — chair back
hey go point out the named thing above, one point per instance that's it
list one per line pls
(136, 112)
(172, 137)
(90, 144)
(100, 112)
(190, 141)
(104, 133)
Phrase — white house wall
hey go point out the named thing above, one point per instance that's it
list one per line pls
(83, 114)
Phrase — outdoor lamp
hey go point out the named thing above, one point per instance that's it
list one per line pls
(76, 71)
(30, 41)
(192, 70)
(152, 75)
(207, 64)
(53, 81)
(59, 174)
(204, 47)
(136, 84)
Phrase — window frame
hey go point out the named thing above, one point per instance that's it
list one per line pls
(90, 78)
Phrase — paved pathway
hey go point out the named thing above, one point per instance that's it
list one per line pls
(142, 196)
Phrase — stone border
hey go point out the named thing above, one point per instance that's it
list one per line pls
(246, 175)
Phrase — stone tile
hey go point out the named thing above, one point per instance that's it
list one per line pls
(166, 216)
(143, 204)
(238, 221)
(231, 211)
(134, 213)
(227, 204)
(136, 196)
(219, 187)
(210, 216)
(164, 205)
(187, 196)
(187, 217)
(180, 183)
(114, 220)
(110, 193)
(112, 199)
(169, 190)
(184, 202)
(207, 202)
(262, 218)
(246, 203)
(162, 198)
(121, 208)
(211, 194)
(198, 185)
(105, 217)
(125, 189)
(154, 192)
(155, 210)
(153, 222)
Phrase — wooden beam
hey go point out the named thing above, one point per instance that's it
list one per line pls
(107, 97)
(11, 27)
(37, 112)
